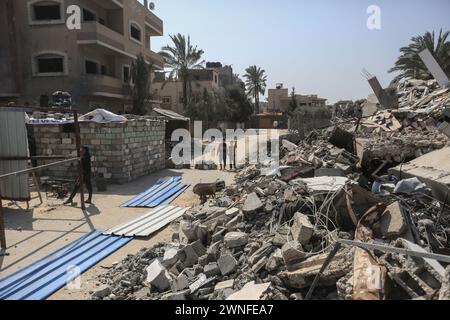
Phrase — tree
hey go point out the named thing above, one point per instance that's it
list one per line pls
(255, 83)
(409, 63)
(180, 59)
(239, 108)
(293, 104)
(140, 90)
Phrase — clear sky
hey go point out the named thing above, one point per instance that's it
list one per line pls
(320, 46)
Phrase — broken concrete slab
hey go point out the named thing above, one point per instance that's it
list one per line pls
(180, 283)
(325, 184)
(252, 204)
(227, 264)
(289, 145)
(188, 256)
(292, 253)
(158, 276)
(170, 257)
(235, 239)
(176, 296)
(250, 291)
(392, 222)
(306, 271)
(211, 269)
(228, 284)
(328, 172)
(342, 139)
(302, 229)
(433, 169)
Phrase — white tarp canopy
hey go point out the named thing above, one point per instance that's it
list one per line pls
(102, 116)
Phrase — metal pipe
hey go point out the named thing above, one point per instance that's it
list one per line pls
(384, 248)
(33, 158)
(2, 226)
(327, 261)
(35, 169)
(80, 167)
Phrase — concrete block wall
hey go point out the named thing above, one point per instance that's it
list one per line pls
(121, 152)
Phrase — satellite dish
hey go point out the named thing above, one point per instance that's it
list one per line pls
(152, 6)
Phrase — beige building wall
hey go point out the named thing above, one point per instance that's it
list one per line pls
(106, 41)
(279, 100)
(274, 99)
(170, 93)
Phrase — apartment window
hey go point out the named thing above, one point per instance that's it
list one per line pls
(90, 67)
(166, 100)
(135, 32)
(49, 64)
(88, 15)
(45, 12)
(215, 78)
(49, 11)
(126, 74)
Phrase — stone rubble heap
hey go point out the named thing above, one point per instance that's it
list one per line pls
(268, 235)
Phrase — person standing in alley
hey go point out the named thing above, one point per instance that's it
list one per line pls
(222, 153)
(86, 165)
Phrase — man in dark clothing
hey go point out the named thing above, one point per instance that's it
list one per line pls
(86, 164)
(222, 153)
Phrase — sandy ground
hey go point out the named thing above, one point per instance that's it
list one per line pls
(34, 233)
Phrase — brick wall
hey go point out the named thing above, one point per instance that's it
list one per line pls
(122, 152)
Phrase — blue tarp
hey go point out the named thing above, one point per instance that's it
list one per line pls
(162, 193)
(45, 276)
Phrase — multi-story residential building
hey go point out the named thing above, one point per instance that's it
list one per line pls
(279, 100)
(40, 55)
(170, 92)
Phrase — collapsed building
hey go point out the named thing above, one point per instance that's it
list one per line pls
(356, 211)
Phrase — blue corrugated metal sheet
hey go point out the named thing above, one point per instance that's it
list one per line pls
(162, 193)
(44, 277)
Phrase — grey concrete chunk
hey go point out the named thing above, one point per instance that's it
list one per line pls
(235, 239)
(227, 264)
(102, 292)
(302, 229)
(252, 203)
(224, 285)
(158, 276)
(170, 257)
(211, 269)
(392, 222)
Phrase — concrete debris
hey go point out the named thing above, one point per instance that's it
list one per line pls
(302, 229)
(227, 264)
(376, 176)
(158, 276)
(250, 291)
(235, 239)
(252, 204)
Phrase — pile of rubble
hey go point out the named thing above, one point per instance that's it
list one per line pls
(323, 225)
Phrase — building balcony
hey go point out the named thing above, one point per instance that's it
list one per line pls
(94, 33)
(109, 4)
(103, 86)
(156, 59)
(154, 24)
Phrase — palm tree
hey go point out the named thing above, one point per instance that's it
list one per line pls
(411, 66)
(255, 83)
(180, 59)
